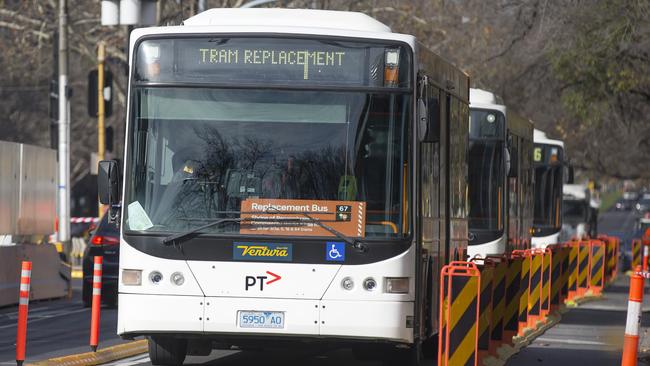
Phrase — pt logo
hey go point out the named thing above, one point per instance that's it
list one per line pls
(252, 281)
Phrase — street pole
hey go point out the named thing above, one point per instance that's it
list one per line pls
(101, 138)
(64, 135)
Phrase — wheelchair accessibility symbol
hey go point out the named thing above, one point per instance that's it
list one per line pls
(335, 251)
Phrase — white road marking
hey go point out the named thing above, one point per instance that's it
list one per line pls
(570, 341)
(44, 317)
(130, 361)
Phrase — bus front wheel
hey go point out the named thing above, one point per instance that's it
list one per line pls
(167, 351)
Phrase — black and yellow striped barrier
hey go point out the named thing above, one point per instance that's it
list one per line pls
(610, 245)
(556, 276)
(535, 288)
(572, 284)
(524, 282)
(564, 282)
(498, 301)
(636, 253)
(459, 314)
(487, 269)
(583, 267)
(547, 276)
(597, 266)
(513, 288)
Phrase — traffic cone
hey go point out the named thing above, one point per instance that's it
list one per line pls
(23, 303)
(634, 305)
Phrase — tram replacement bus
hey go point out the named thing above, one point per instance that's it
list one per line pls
(549, 163)
(290, 176)
(500, 177)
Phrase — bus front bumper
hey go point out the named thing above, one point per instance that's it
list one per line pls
(213, 317)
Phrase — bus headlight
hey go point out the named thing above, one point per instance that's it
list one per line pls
(369, 284)
(131, 277)
(397, 285)
(347, 283)
(177, 278)
(155, 277)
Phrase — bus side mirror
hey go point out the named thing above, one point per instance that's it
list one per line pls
(513, 162)
(108, 182)
(428, 115)
(570, 175)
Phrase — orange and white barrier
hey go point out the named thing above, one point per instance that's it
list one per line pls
(97, 302)
(634, 305)
(23, 303)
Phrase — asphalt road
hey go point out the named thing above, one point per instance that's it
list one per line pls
(588, 335)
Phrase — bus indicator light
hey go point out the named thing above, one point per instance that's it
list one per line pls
(131, 277)
(397, 285)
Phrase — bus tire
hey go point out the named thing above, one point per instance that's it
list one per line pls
(167, 351)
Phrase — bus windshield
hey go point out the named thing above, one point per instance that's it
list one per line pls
(548, 193)
(574, 211)
(201, 154)
(486, 174)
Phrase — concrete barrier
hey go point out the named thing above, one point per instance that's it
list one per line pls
(50, 276)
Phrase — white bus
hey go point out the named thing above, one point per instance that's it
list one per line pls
(291, 176)
(549, 163)
(500, 177)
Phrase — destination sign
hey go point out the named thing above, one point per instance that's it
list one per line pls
(267, 61)
(547, 154)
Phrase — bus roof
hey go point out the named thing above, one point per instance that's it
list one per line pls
(540, 138)
(275, 21)
(273, 17)
(520, 126)
(479, 98)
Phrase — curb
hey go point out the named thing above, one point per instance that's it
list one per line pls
(104, 355)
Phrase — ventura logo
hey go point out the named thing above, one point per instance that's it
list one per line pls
(263, 251)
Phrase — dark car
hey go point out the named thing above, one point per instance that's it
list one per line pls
(626, 203)
(105, 242)
(643, 205)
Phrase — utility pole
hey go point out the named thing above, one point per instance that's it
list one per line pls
(64, 133)
(101, 138)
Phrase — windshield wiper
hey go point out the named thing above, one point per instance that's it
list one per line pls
(356, 243)
(174, 239)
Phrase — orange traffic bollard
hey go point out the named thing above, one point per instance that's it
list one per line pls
(23, 303)
(97, 302)
(631, 340)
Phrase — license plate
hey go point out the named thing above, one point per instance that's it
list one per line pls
(261, 319)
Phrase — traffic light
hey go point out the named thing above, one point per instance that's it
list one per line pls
(92, 93)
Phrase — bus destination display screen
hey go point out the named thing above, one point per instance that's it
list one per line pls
(265, 61)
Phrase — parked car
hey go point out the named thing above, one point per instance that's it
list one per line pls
(105, 241)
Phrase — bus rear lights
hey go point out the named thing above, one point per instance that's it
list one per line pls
(155, 277)
(177, 278)
(369, 284)
(131, 277)
(391, 68)
(397, 285)
(347, 283)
